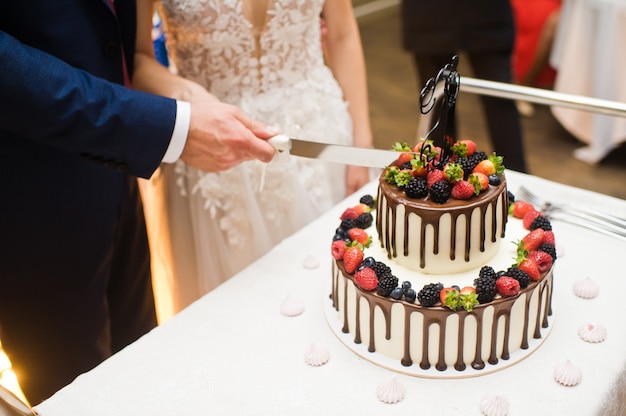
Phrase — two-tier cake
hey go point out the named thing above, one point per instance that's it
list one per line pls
(431, 278)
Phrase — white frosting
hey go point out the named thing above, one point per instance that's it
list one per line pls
(316, 355)
(292, 306)
(437, 259)
(567, 374)
(390, 391)
(592, 332)
(586, 288)
(311, 262)
(493, 405)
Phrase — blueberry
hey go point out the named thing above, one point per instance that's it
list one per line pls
(337, 237)
(406, 285)
(455, 287)
(494, 179)
(410, 295)
(367, 262)
(397, 293)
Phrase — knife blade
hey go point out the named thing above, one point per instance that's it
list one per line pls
(336, 153)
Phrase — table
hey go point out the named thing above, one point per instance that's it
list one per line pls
(233, 353)
(588, 54)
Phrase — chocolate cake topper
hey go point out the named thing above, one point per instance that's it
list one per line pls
(444, 104)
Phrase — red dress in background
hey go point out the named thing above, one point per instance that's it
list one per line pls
(530, 17)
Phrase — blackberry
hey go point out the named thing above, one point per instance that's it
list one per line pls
(416, 188)
(468, 166)
(520, 275)
(487, 271)
(386, 285)
(381, 269)
(548, 248)
(486, 288)
(347, 224)
(440, 191)
(429, 295)
(540, 222)
(479, 157)
(364, 220)
(406, 166)
(367, 200)
(510, 196)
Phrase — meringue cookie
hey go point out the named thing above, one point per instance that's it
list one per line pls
(591, 332)
(390, 391)
(493, 405)
(292, 306)
(311, 262)
(567, 374)
(316, 355)
(586, 288)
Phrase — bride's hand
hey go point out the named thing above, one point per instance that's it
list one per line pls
(356, 177)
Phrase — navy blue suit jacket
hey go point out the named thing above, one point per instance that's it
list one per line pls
(70, 136)
(74, 266)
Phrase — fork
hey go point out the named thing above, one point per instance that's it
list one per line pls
(595, 220)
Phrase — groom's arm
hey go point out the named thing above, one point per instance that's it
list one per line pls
(45, 100)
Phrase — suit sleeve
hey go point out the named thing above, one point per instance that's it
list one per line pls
(45, 100)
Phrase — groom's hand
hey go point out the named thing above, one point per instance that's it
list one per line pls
(222, 136)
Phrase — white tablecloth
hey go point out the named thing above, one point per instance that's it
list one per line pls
(590, 56)
(233, 353)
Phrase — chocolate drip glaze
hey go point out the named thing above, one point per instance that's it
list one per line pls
(390, 197)
(539, 292)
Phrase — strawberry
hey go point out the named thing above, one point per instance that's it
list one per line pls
(486, 167)
(349, 213)
(338, 249)
(352, 258)
(471, 146)
(529, 217)
(533, 239)
(404, 158)
(450, 297)
(479, 179)
(467, 290)
(419, 168)
(361, 236)
(433, 176)
(463, 190)
(531, 269)
(366, 278)
(507, 286)
(490, 166)
(361, 208)
(443, 293)
(520, 208)
(548, 237)
(543, 260)
(453, 172)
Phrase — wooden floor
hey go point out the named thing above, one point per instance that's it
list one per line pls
(394, 110)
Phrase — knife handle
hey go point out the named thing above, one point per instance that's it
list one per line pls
(281, 143)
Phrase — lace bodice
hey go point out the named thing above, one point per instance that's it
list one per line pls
(271, 65)
(215, 43)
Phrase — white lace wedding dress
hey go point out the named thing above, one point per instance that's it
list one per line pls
(271, 67)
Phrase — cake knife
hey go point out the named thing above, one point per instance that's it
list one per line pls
(336, 153)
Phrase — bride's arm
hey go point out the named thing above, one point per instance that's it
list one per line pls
(345, 59)
(149, 75)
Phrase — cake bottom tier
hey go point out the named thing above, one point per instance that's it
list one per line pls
(437, 342)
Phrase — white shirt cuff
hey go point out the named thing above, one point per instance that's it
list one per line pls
(179, 135)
